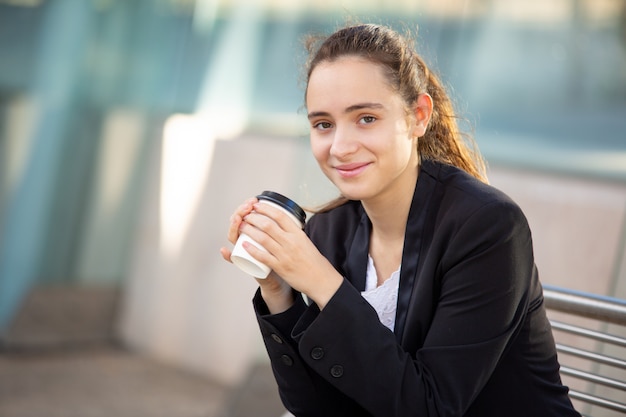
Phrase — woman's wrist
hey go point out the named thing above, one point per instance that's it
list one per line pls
(278, 295)
(326, 289)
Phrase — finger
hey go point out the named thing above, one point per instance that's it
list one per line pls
(237, 217)
(234, 228)
(261, 229)
(245, 208)
(226, 254)
(260, 255)
(269, 234)
(260, 221)
(284, 220)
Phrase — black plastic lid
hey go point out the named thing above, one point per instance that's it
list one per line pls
(284, 202)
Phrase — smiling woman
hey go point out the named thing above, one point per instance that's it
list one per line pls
(362, 136)
(422, 296)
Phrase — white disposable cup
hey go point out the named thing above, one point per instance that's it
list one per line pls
(241, 257)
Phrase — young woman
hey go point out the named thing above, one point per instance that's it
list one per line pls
(424, 296)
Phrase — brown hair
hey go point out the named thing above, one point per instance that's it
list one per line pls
(409, 75)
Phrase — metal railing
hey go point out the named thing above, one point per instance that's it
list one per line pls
(604, 311)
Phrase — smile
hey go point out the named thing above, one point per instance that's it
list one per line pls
(351, 170)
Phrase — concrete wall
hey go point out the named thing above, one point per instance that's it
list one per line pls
(578, 225)
(193, 309)
(190, 307)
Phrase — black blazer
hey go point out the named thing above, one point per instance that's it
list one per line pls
(471, 335)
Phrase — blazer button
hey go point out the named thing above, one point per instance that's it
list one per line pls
(317, 353)
(336, 371)
(277, 338)
(287, 360)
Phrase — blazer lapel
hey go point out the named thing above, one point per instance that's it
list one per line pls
(356, 261)
(412, 245)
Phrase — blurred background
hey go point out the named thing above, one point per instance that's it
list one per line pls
(130, 130)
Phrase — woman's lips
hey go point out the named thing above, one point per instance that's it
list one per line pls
(351, 170)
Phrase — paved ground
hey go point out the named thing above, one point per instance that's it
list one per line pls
(106, 381)
(60, 358)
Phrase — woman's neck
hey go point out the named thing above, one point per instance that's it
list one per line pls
(389, 216)
(389, 213)
(388, 220)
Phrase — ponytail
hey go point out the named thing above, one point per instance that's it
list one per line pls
(443, 141)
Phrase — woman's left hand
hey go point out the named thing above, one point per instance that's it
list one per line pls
(290, 253)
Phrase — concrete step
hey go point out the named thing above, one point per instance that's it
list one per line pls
(102, 382)
(63, 316)
(60, 357)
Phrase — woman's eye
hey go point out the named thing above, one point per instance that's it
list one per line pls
(367, 119)
(322, 125)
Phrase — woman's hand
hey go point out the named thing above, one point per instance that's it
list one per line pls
(277, 294)
(290, 254)
(235, 224)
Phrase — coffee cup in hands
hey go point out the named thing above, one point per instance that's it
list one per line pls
(241, 257)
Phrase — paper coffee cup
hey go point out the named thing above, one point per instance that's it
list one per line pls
(241, 257)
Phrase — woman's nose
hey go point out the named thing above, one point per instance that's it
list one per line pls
(344, 143)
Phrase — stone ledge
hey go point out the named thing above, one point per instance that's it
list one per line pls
(62, 317)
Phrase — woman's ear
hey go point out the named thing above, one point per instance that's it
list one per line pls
(423, 110)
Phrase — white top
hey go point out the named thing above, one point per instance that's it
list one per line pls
(384, 299)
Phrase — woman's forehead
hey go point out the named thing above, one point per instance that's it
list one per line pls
(348, 75)
(354, 93)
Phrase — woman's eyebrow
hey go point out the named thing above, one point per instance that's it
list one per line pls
(361, 106)
(315, 114)
(349, 109)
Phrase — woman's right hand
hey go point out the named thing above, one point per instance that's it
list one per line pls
(278, 295)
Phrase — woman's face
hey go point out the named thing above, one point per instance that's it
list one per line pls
(361, 134)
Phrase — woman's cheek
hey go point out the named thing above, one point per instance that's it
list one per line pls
(320, 150)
